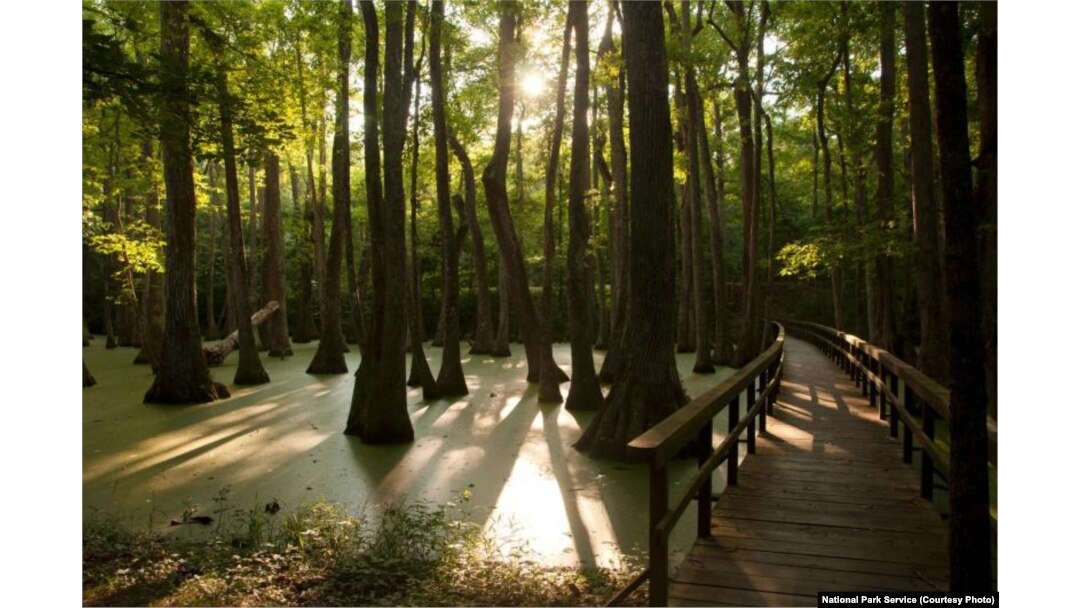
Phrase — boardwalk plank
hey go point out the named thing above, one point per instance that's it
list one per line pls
(826, 504)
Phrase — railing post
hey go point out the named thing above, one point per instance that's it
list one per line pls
(704, 497)
(658, 557)
(875, 368)
(751, 441)
(909, 407)
(733, 454)
(893, 383)
(926, 466)
(763, 387)
(865, 371)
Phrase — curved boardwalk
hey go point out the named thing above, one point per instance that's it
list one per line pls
(826, 504)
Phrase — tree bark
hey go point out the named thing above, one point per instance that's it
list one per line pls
(216, 353)
(379, 413)
(249, 369)
(584, 387)
(88, 379)
(183, 377)
(484, 339)
(274, 259)
(304, 330)
(714, 192)
(933, 322)
(212, 330)
(649, 389)
(451, 380)
(986, 188)
(153, 302)
(542, 366)
(969, 523)
(883, 264)
(551, 176)
(826, 168)
(620, 239)
(329, 357)
(703, 360)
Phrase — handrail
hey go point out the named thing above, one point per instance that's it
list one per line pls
(879, 373)
(658, 445)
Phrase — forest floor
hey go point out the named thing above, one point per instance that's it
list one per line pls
(510, 460)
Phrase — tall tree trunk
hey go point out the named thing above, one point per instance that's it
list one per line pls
(329, 357)
(183, 377)
(304, 330)
(249, 369)
(542, 366)
(584, 386)
(969, 495)
(620, 224)
(379, 412)
(419, 371)
(649, 389)
(484, 339)
(685, 336)
(451, 380)
(714, 194)
(986, 188)
(823, 138)
(703, 361)
(153, 302)
(274, 259)
(933, 320)
(770, 248)
(883, 264)
(551, 176)
(502, 335)
(253, 244)
(212, 330)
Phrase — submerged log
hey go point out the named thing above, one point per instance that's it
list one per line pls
(216, 353)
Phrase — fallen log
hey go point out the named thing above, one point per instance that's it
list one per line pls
(216, 353)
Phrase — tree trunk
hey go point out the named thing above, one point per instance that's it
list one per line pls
(823, 139)
(274, 259)
(153, 301)
(330, 358)
(969, 522)
(183, 377)
(451, 380)
(714, 192)
(502, 336)
(252, 245)
(620, 240)
(378, 413)
(542, 366)
(986, 189)
(685, 341)
(88, 379)
(212, 330)
(933, 323)
(216, 353)
(884, 297)
(703, 361)
(484, 339)
(249, 369)
(584, 387)
(551, 176)
(649, 389)
(305, 330)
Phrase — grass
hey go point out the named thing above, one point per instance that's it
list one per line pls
(411, 554)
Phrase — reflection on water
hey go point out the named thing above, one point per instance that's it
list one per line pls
(284, 440)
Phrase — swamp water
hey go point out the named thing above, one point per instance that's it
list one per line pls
(146, 464)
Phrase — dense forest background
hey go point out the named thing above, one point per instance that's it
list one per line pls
(811, 261)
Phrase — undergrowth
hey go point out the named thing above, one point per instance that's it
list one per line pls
(411, 554)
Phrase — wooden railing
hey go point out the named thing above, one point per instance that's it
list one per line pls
(903, 395)
(760, 380)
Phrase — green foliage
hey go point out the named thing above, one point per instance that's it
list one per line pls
(406, 554)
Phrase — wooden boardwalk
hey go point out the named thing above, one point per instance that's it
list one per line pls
(826, 504)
